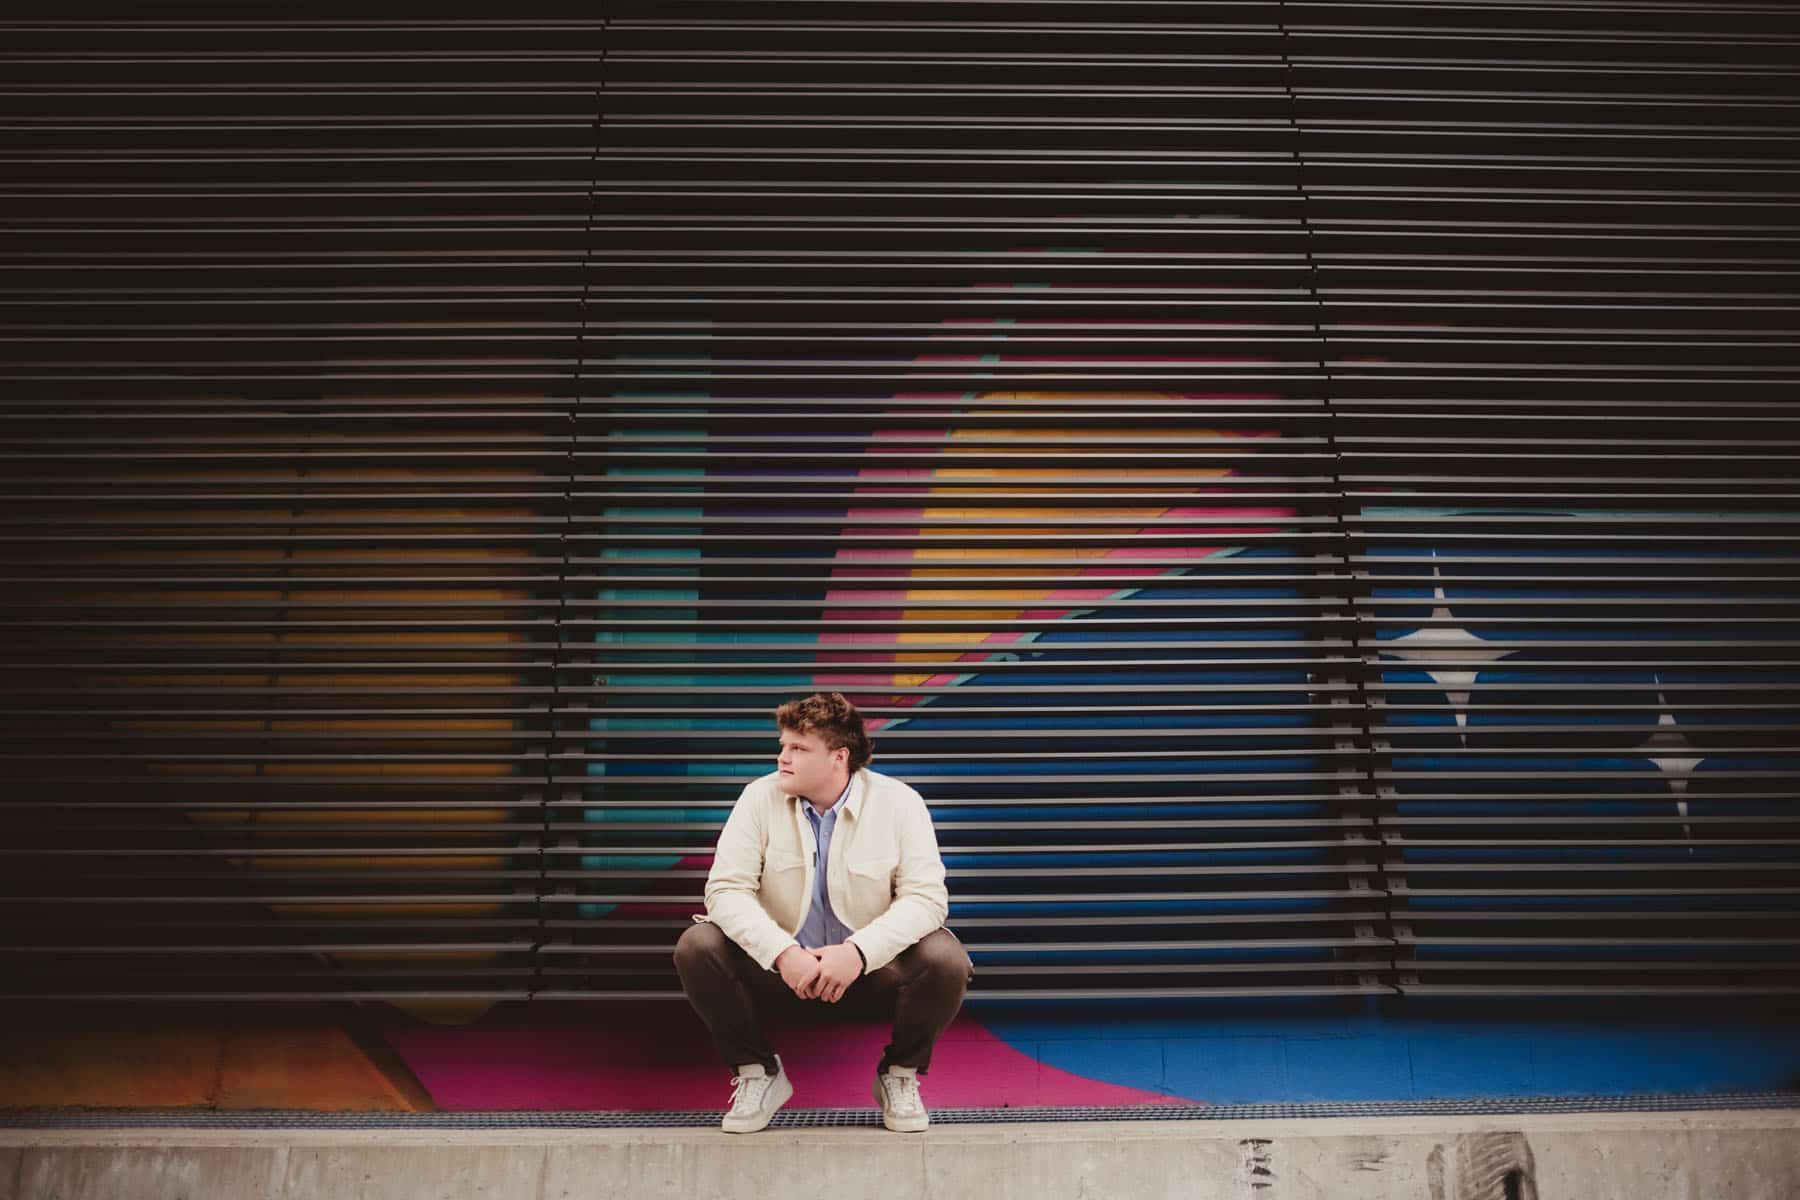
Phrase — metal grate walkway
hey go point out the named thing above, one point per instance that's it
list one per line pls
(821, 1118)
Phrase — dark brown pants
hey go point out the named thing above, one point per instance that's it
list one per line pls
(919, 991)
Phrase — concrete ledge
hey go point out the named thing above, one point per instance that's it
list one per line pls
(1748, 1155)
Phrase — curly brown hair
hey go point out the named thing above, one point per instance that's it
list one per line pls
(832, 719)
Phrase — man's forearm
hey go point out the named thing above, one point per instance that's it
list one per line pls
(747, 923)
(906, 920)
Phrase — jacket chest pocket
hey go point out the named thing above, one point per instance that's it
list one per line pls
(783, 892)
(778, 862)
(871, 880)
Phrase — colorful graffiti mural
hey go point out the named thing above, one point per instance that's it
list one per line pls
(948, 693)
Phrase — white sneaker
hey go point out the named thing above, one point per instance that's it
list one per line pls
(755, 1095)
(897, 1092)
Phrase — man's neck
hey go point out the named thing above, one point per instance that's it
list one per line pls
(823, 805)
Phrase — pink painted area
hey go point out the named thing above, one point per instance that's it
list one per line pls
(859, 614)
(623, 1061)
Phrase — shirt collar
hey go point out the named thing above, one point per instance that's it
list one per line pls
(838, 807)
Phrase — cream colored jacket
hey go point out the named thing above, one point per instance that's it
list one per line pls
(884, 875)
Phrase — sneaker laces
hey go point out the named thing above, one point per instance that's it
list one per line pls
(747, 1092)
(902, 1094)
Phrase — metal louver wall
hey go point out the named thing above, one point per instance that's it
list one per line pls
(1306, 491)
(1556, 257)
(296, 315)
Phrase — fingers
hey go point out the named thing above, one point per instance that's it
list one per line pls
(804, 985)
(832, 989)
(822, 986)
(820, 983)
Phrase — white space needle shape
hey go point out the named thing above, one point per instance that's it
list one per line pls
(1666, 745)
(1447, 643)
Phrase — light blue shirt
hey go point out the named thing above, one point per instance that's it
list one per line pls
(822, 927)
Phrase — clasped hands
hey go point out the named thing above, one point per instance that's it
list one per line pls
(821, 974)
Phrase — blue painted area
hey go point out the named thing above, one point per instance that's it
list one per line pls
(1380, 1050)
(1223, 1070)
(1141, 1059)
(1286, 1050)
(1343, 1068)
(1486, 1062)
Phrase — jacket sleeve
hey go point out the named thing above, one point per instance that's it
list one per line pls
(921, 901)
(736, 878)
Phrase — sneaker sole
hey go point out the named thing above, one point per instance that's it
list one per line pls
(782, 1090)
(916, 1124)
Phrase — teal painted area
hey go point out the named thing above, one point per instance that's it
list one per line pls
(602, 816)
(628, 862)
(686, 724)
(668, 601)
(603, 861)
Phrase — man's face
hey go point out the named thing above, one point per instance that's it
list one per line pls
(809, 768)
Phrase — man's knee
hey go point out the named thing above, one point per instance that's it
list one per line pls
(945, 957)
(698, 943)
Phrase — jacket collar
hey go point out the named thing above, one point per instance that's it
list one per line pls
(859, 788)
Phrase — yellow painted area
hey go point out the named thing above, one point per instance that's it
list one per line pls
(435, 957)
(147, 1063)
(125, 641)
(165, 770)
(210, 519)
(394, 816)
(383, 908)
(357, 614)
(196, 680)
(950, 554)
(444, 1012)
(327, 820)
(449, 682)
(371, 862)
(171, 600)
(378, 725)
(133, 556)
(999, 606)
(473, 640)
(396, 770)
(498, 596)
(190, 726)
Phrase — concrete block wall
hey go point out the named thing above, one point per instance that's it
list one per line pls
(1694, 1156)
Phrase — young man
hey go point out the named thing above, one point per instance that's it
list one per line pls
(826, 895)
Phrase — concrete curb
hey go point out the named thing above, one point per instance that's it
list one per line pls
(1747, 1155)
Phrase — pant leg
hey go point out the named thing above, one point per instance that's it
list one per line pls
(923, 988)
(730, 993)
